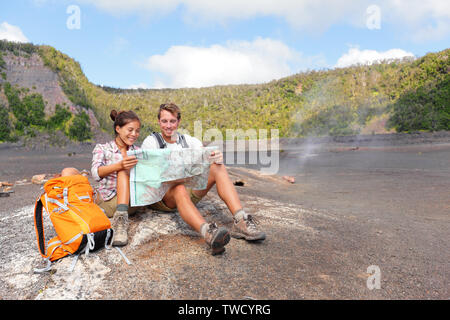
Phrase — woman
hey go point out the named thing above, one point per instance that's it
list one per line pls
(111, 167)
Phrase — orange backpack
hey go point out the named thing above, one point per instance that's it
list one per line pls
(80, 224)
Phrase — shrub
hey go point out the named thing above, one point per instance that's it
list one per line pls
(59, 119)
(426, 108)
(34, 106)
(80, 129)
(2, 62)
(28, 111)
(5, 126)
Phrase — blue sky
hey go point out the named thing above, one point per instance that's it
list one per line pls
(196, 43)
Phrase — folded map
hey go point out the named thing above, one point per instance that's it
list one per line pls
(156, 168)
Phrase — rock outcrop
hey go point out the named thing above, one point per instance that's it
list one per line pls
(28, 71)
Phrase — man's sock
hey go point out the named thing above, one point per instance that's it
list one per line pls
(203, 229)
(240, 214)
(122, 207)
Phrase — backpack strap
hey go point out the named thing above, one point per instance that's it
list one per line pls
(162, 144)
(159, 138)
(182, 141)
(39, 226)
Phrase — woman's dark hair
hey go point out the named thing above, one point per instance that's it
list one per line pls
(122, 118)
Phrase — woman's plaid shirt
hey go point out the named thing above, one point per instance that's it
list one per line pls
(104, 155)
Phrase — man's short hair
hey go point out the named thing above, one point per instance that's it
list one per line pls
(172, 108)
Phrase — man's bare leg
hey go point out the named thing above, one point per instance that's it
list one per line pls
(216, 237)
(244, 226)
(178, 197)
(218, 176)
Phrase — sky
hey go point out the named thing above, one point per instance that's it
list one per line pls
(201, 43)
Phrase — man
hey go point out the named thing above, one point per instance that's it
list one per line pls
(180, 198)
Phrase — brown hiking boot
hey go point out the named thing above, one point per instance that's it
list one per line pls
(246, 229)
(217, 238)
(120, 227)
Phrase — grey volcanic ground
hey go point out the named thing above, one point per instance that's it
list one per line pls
(357, 202)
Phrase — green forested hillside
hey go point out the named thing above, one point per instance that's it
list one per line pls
(406, 95)
(22, 112)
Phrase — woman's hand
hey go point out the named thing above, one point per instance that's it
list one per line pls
(128, 162)
(216, 157)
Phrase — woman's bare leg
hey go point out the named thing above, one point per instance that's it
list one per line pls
(123, 187)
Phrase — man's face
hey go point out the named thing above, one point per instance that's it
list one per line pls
(168, 123)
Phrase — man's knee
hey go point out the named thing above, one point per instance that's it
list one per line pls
(180, 190)
(69, 172)
(216, 169)
(179, 195)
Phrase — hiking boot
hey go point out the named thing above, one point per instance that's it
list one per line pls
(120, 227)
(217, 238)
(246, 229)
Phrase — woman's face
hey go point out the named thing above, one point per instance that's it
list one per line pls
(129, 133)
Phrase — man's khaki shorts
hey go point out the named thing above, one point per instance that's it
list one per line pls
(110, 206)
(161, 206)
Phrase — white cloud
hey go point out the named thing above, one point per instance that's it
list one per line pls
(415, 11)
(315, 15)
(11, 33)
(237, 62)
(432, 31)
(310, 14)
(357, 56)
(141, 7)
(410, 16)
(421, 20)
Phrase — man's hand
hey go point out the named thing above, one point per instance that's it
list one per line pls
(216, 157)
(128, 162)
